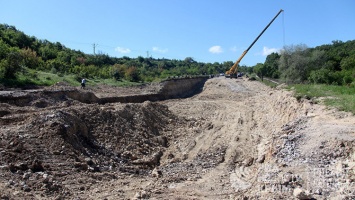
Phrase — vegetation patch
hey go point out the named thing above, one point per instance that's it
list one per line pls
(340, 97)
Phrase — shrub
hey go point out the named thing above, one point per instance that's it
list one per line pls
(347, 80)
(11, 65)
(321, 76)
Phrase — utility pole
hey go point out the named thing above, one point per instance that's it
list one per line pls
(147, 54)
(94, 46)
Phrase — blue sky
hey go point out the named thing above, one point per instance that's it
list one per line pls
(206, 30)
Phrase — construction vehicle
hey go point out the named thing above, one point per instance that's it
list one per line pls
(233, 71)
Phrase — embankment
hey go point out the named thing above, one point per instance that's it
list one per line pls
(170, 89)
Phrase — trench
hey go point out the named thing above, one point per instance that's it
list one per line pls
(170, 89)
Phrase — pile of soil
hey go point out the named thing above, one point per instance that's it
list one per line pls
(237, 139)
(43, 148)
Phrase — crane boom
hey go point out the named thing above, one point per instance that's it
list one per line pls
(232, 72)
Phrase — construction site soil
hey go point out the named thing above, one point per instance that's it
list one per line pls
(235, 139)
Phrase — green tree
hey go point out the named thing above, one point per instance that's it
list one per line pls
(47, 52)
(260, 70)
(12, 65)
(189, 60)
(322, 76)
(272, 65)
(132, 74)
(293, 64)
(57, 66)
(64, 57)
(348, 62)
(30, 58)
(118, 71)
(4, 49)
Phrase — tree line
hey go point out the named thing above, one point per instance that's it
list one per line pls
(20, 52)
(332, 64)
(326, 64)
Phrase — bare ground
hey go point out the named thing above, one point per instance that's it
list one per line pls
(237, 139)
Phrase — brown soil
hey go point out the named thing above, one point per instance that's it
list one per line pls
(237, 139)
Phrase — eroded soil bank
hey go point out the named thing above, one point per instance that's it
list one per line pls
(236, 139)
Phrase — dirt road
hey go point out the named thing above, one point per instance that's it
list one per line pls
(237, 139)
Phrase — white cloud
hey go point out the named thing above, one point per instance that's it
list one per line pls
(122, 50)
(159, 50)
(268, 51)
(216, 49)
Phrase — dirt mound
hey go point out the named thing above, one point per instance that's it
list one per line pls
(56, 144)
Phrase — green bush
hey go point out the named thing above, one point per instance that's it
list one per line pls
(320, 76)
(347, 80)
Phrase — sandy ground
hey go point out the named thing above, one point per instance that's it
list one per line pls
(237, 139)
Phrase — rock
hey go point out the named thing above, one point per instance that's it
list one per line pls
(18, 166)
(46, 178)
(37, 166)
(261, 159)
(318, 191)
(156, 173)
(4, 167)
(162, 140)
(94, 169)
(26, 188)
(299, 193)
(153, 160)
(81, 166)
(89, 161)
(10, 183)
(171, 156)
(26, 175)
(248, 162)
(5, 197)
(141, 195)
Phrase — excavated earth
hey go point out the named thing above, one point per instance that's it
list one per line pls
(235, 139)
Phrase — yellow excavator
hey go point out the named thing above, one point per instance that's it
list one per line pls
(233, 71)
